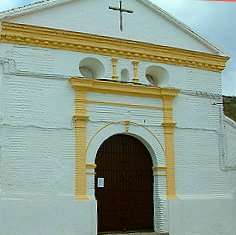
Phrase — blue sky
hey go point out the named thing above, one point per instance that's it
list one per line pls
(214, 20)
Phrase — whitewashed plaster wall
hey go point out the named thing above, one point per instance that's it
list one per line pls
(37, 145)
(1, 91)
(37, 158)
(204, 188)
(94, 17)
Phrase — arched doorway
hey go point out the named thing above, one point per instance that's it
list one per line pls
(124, 185)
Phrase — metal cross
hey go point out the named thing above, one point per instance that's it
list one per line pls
(121, 10)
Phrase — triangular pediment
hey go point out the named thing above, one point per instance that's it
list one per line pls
(148, 23)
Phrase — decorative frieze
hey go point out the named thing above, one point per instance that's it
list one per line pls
(75, 41)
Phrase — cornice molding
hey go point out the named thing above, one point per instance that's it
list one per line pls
(75, 41)
(115, 87)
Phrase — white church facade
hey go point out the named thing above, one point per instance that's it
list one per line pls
(112, 127)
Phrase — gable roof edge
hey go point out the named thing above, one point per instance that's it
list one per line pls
(183, 26)
(29, 8)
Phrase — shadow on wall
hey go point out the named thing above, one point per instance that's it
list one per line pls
(230, 107)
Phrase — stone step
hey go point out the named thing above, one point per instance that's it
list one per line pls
(131, 233)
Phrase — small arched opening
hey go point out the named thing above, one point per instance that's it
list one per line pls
(125, 75)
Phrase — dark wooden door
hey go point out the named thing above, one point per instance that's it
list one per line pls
(125, 203)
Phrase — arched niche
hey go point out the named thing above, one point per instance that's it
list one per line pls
(157, 75)
(91, 68)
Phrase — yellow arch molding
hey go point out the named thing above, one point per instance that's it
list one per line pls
(125, 123)
(82, 87)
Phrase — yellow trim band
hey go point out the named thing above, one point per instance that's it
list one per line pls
(129, 89)
(74, 41)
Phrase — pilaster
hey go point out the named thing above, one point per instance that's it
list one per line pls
(136, 71)
(114, 62)
(80, 119)
(169, 127)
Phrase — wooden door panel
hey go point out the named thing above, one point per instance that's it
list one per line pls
(126, 201)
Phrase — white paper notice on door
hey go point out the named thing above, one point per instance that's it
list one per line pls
(101, 183)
